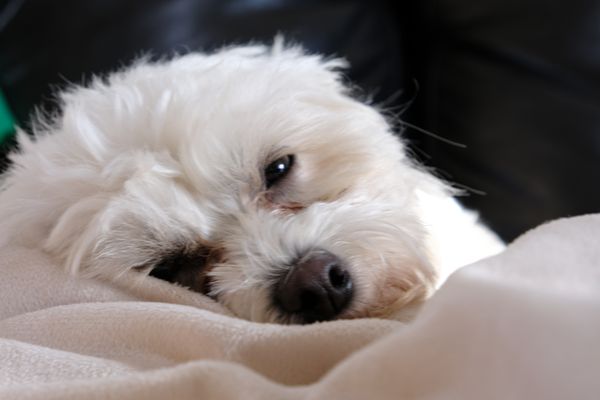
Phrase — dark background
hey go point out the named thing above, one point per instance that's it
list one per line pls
(516, 81)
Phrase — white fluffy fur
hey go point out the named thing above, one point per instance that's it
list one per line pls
(170, 153)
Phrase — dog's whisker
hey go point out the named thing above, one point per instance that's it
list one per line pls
(431, 134)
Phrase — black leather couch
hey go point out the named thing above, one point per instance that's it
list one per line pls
(516, 81)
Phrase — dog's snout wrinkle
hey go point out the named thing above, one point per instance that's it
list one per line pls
(317, 288)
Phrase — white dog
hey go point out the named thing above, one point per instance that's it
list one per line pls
(249, 175)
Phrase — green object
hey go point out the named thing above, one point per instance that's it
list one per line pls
(7, 122)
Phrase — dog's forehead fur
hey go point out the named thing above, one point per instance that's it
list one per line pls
(171, 155)
(202, 110)
(198, 115)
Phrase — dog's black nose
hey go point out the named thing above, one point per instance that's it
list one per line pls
(317, 288)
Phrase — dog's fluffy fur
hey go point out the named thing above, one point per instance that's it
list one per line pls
(168, 158)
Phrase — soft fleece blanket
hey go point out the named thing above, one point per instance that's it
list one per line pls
(522, 325)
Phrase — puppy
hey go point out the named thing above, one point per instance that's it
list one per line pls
(249, 175)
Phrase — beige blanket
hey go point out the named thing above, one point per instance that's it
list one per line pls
(522, 325)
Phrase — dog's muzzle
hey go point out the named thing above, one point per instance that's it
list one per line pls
(317, 288)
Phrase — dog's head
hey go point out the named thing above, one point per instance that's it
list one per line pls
(249, 175)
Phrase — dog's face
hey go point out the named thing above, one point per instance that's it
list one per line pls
(248, 175)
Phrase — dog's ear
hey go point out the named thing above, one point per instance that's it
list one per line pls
(72, 239)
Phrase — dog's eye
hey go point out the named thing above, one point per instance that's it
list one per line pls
(278, 169)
